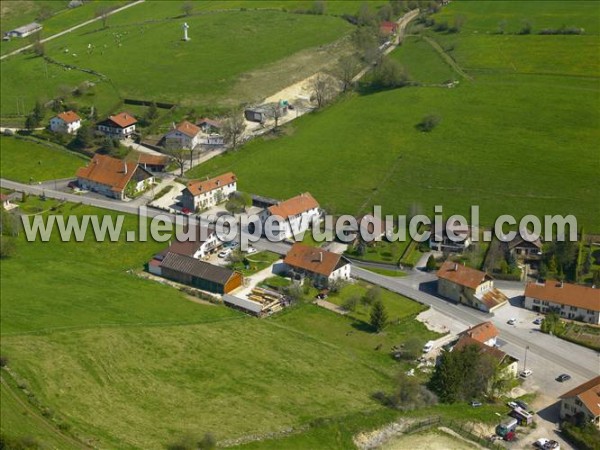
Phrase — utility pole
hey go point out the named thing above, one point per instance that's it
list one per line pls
(525, 361)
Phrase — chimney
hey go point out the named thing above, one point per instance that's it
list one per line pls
(218, 182)
(124, 167)
(320, 256)
(456, 267)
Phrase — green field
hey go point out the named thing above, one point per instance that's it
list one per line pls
(506, 140)
(26, 161)
(422, 63)
(131, 349)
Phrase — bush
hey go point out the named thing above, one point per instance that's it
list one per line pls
(3, 360)
(428, 123)
(586, 437)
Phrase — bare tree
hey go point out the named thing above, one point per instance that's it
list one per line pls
(177, 153)
(103, 13)
(233, 128)
(323, 89)
(187, 8)
(276, 112)
(347, 68)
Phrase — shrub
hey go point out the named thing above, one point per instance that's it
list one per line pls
(428, 123)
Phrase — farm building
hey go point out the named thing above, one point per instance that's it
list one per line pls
(507, 363)
(469, 286)
(295, 215)
(319, 265)
(202, 194)
(113, 177)
(387, 28)
(485, 332)
(582, 403)
(193, 272)
(153, 163)
(262, 113)
(24, 31)
(450, 239)
(66, 122)
(209, 126)
(120, 126)
(185, 135)
(571, 301)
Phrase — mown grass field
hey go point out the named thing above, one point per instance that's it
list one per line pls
(511, 141)
(109, 352)
(27, 161)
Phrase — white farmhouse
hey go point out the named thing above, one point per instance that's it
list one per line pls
(185, 135)
(120, 126)
(201, 194)
(66, 122)
(295, 215)
(319, 265)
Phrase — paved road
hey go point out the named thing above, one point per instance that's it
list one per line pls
(563, 355)
(54, 36)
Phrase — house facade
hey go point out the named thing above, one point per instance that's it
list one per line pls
(66, 122)
(202, 194)
(113, 177)
(582, 403)
(321, 266)
(570, 301)
(441, 241)
(185, 135)
(120, 126)
(469, 286)
(200, 246)
(291, 216)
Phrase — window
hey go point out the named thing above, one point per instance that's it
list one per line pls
(536, 301)
(589, 311)
(573, 308)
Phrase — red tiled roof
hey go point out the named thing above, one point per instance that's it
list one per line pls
(565, 294)
(201, 186)
(155, 160)
(388, 27)
(462, 275)
(493, 298)
(482, 332)
(123, 120)
(466, 341)
(312, 259)
(588, 393)
(294, 206)
(108, 171)
(68, 116)
(187, 128)
(3, 197)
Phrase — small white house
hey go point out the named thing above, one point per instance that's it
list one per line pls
(319, 265)
(25, 30)
(120, 126)
(66, 122)
(185, 135)
(295, 215)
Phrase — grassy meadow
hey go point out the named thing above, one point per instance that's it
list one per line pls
(25, 161)
(506, 141)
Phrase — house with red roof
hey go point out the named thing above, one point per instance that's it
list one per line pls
(485, 332)
(113, 177)
(469, 286)
(202, 194)
(184, 135)
(65, 122)
(119, 126)
(582, 404)
(292, 216)
(319, 265)
(387, 28)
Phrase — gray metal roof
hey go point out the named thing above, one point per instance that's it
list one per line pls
(195, 267)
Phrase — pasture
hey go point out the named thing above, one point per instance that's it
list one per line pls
(26, 161)
(518, 139)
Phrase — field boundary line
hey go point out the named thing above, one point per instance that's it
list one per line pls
(438, 48)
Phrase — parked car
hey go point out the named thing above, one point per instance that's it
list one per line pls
(522, 405)
(525, 373)
(546, 444)
(73, 184)
(428, 347)
(540, 443)
(512, 405)
(251, 250)
(224, 253)
(510, 436)
(563, 377)
(476, 404)
(186, 211)
(538, 321)
(512, 321)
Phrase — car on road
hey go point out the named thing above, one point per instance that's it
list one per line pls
(224, 253)
(538, 321)
(476, 404)
(525, 373)
(522, 405)
(563, 377)
(512, 321)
